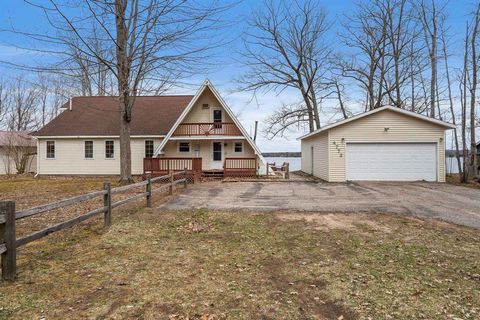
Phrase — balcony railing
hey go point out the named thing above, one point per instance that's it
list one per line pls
(207, 129)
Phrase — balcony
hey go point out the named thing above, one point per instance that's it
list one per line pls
(207, 129)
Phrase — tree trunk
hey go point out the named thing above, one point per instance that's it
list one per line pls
(433, 61)
(125, 149)
(125, 103)
(463, 92)
(473, 91)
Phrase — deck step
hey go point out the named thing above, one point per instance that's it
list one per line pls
(213, 174)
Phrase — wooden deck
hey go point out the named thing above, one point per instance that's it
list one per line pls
(233, 167)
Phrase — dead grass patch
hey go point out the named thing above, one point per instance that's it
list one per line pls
(154, 264)
(247, 266)
(455, 179)
(339, 221)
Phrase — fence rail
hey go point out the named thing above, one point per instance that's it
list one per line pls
(9, 243)
(240, 167)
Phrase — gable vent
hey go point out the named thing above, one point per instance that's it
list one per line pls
(205, 106)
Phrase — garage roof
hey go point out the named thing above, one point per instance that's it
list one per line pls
(368, 113)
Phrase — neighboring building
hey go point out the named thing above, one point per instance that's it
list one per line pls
(84, 139)
(17, 152)
(387, 143)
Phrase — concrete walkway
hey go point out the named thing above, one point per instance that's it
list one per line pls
(450, 203)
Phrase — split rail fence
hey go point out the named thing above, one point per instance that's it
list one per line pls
(8, 215)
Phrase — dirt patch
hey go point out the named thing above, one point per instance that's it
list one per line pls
(338, 221)
(195, 227)
(455, 179)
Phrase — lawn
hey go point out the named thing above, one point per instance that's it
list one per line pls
(154, 264)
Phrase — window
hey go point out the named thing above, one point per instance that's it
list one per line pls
(88, 150)
(148, 148)
(50, 149)
(109, 149)
(238, 147)
(205, 106)
(217, 115)
(217, 118)
(184, 147)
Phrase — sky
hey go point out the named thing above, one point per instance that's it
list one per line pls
(227, 65)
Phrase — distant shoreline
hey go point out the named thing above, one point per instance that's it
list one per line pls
(282, 154)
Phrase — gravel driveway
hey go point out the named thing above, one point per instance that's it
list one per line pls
(447, 202)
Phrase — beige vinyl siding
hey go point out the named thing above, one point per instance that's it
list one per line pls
(320, 155)
(7, 163)
(402, 128)
(171, 150)
(7, 166)
(70, 160)
(199, 115)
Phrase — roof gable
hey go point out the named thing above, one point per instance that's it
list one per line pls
(208, 86)
(99, 116)
(374, 111)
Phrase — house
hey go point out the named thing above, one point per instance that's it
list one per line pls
(386, 143)
(174, 132)
(17, 152)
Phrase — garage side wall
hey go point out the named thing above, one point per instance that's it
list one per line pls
(401, 128)
(320, 156)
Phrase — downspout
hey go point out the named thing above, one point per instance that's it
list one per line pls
(38, 158)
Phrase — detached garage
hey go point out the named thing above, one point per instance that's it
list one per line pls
(385, 144)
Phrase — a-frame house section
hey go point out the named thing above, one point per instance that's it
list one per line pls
(210, 133)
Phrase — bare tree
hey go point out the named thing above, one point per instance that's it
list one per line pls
(473, 90)
(287, 49)
(430, 16)
(144, 45)
(21, 114)
(365, 32)
(450, 98)
(463, 100)
(18, 150)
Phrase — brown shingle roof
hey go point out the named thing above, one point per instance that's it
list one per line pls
(99, 116)
(16, 138)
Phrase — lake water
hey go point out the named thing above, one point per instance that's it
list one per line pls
(294, 162)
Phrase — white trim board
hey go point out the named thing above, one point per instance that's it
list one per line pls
(98, 137)
(207, 138)
(368, 113)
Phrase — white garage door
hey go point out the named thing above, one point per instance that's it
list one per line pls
(391, 161)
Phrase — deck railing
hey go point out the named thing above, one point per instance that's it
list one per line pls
(207, 129)
(165, 165)
(240, 167)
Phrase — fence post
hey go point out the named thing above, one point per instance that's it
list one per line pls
(107, 203)
(185, 176)
(7, 237)
(149, 192)
(287, 169)
(170, 187)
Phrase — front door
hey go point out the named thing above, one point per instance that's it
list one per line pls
(217, 155)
